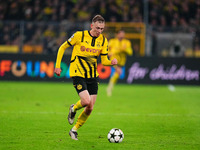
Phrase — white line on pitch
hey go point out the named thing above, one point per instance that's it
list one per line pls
(104, 114)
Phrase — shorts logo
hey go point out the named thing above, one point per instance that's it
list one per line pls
(79, 87)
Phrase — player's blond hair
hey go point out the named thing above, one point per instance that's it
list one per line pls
(98, 18)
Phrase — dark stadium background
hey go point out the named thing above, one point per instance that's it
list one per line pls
(157, 29)
(156, 102)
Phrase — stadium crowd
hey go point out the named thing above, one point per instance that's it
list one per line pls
(162, 14)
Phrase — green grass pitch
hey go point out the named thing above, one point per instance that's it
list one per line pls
(33, 116)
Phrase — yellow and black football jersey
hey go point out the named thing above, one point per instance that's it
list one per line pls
(120, 49)
(84, 55)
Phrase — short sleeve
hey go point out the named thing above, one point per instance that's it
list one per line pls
(74, 38)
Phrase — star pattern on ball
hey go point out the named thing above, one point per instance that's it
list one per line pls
(115, 135)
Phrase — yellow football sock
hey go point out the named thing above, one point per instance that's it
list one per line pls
(114, 78)
(81, 120)
(112, 82)
(77, 106)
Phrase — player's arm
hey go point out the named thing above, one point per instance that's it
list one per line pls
(104, 56)
(71, 41)
(128, 49)
(60, 54)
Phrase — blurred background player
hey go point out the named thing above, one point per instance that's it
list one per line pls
(88, 45)
(119, 47)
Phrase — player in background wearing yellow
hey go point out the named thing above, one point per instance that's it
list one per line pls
(88, 45)
(119, 48)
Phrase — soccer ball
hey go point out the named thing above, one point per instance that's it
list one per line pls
(115, 135)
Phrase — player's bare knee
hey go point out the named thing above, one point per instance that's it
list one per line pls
(85, 101)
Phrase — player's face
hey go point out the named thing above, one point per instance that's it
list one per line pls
(121, 35)
(97, 28)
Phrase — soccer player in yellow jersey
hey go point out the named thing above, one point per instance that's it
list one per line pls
(88, 45)
(119, 48)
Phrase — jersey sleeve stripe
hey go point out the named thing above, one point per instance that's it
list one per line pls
(69, 43)
(104, 54)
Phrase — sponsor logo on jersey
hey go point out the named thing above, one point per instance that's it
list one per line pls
(91, 50)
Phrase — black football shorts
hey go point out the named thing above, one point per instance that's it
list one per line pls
(90, 84)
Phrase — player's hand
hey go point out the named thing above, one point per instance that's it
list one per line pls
(110, 54)
(57, 71)
(114, 61)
